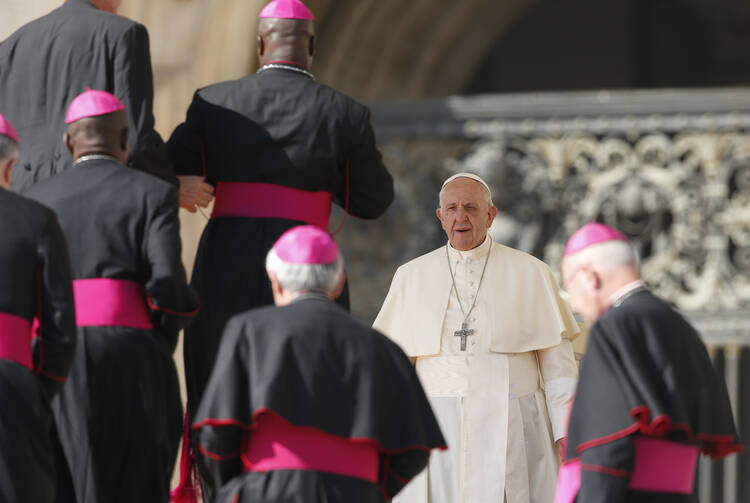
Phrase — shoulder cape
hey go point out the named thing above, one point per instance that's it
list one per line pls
(529, 314)
(647, 372)
(316, 366)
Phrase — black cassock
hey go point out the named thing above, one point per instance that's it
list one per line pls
(646, 373)
(316, 366)
(281, 128)
(119, 414)
(50, 61)
(35, 282)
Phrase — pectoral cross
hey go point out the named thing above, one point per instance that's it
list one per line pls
(463, 334)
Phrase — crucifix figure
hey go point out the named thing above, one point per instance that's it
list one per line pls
(463, 334)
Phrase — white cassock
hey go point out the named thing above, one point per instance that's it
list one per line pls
(504, 401)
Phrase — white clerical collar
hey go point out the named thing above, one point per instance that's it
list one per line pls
(475, 253)
(623, 292)
(95, 157)
(310, 294)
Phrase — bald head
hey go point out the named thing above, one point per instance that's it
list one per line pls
(592, 275)
(103, 134)
(286, 40)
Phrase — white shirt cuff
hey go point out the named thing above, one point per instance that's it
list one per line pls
(559, 393)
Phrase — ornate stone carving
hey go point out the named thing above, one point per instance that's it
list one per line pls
(682, 199)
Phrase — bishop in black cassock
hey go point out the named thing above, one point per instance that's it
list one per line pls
(648, 399)
(48, 62)
(119, 414)
(306, 403)
(279, 147)
(34, 284)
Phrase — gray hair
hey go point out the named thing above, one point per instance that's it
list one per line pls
(298, 278)
(608, 256)
(8, 148)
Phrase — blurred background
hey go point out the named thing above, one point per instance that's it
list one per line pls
(635, 113)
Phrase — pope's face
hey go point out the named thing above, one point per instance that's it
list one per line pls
(465, 213)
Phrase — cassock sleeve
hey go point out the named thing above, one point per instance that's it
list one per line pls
(172, 301)
(605, 472)
(54, 347)
(134, 85)
(558, 364)
(608, 462)
(223, 417)
(184, 146)
(371, 186)
(559, 372)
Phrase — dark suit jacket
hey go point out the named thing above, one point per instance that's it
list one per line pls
(48, 62)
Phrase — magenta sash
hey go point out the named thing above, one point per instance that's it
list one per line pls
(15, 340)
(660, 466)
(104, 302)
(280, 445)
(266, 200)
(568, 481)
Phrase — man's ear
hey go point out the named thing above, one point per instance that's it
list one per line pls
(261, 47)
(492, 214)
(273, 279)
(11, 168)
(340, 286)
(6, 172)
(68, 143)
(598, 282)
(276, 287)
(593, 278)
(124, 139)
(311, 48)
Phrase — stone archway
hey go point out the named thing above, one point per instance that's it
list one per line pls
(390, 48)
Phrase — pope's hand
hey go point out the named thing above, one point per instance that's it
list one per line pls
(194, 191)
(562, 445)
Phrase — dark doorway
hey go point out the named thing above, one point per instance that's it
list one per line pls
(589, 44)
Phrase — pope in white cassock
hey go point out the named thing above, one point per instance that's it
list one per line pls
(490, 337)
